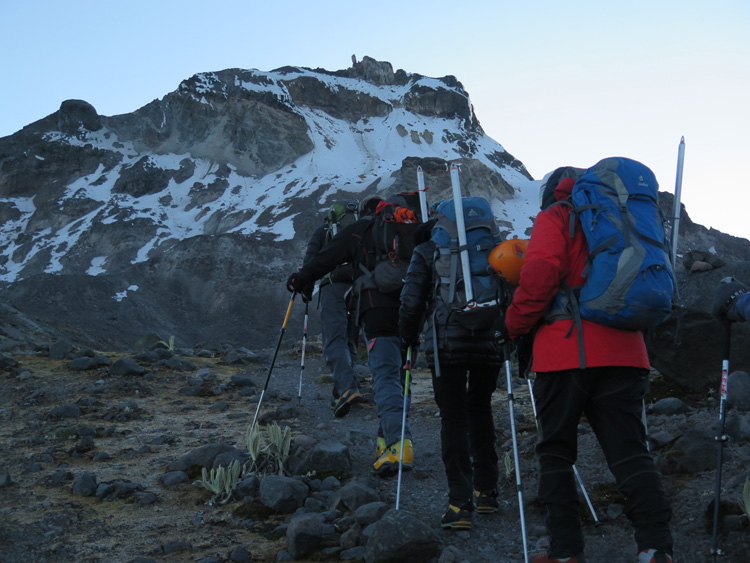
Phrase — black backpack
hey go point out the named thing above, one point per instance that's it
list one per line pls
(391, 240)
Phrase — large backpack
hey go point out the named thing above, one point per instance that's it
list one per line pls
(629, 279)
(391, 241)
(339, 216)
(451, 305)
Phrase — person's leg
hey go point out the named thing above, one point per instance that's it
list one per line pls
(384, 360)
(560, 398)
(353, 332)
(482, 383)
(334, 322)
(451, 398)
(615, 411)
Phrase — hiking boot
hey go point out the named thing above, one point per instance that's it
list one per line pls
(544, 558)
(388, 461)
(379, 447)
(486, 503)
(348, 397)
(654, 556)
(457, 518)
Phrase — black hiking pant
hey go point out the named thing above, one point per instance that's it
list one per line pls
(611, 398)
(463, 393)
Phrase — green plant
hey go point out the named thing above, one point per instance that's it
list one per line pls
(271, 457)
(508, 465)
(253, 441)
(280, 441)
(745, 500)
(169, 345)
(221, 481)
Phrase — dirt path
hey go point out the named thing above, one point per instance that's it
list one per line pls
(141, 424)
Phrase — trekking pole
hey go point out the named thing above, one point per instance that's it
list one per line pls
(273, 361)
(575, 469)
(721, 439)
(677, 208)
(302, 360)
(645, 425)
(461, 228)
(403, 425)
(422, 194)
(506, 351)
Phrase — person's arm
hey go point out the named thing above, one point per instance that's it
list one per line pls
(415, 294)
(342, 248)
(743, 306)
(544, 269)
(731, 301)
(317, 241)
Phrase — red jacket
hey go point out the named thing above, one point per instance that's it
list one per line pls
(553, 257)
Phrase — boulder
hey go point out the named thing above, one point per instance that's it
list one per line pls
(399, 536)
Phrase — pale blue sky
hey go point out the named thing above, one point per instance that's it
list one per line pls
(554, 82)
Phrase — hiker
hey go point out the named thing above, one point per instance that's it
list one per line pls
(465, 364)
(609, 390)
(340, 333)
(732, 301)
(377, 312)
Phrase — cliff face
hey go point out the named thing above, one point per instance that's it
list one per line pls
(186, 216)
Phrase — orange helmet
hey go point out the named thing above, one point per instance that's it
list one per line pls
(507, 259)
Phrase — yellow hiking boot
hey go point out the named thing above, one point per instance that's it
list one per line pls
(486, 503)
(388, 461)
(457, 518)
(379, 447)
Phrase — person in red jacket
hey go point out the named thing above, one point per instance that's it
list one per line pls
(608, 388)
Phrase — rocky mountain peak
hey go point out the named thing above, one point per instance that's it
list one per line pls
(185, 216)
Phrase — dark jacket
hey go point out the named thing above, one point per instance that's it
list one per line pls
(351, 245)
(355, 245)
(340, 274)
(456, 344)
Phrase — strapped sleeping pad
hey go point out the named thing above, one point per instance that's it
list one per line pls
(629, 279)
(451, 308)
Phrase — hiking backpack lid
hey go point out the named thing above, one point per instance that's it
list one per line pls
(481, 238)
(629, 279)
(339, 216)
(552, 179)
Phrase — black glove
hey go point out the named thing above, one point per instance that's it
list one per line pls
(725, 299)
(307, 293)
(407, 343)
(501, 331)
(293, 285)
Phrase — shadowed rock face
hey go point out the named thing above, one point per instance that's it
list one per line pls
(688, 347)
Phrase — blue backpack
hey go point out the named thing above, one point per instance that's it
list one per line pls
(481, 237)
(629, 279)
